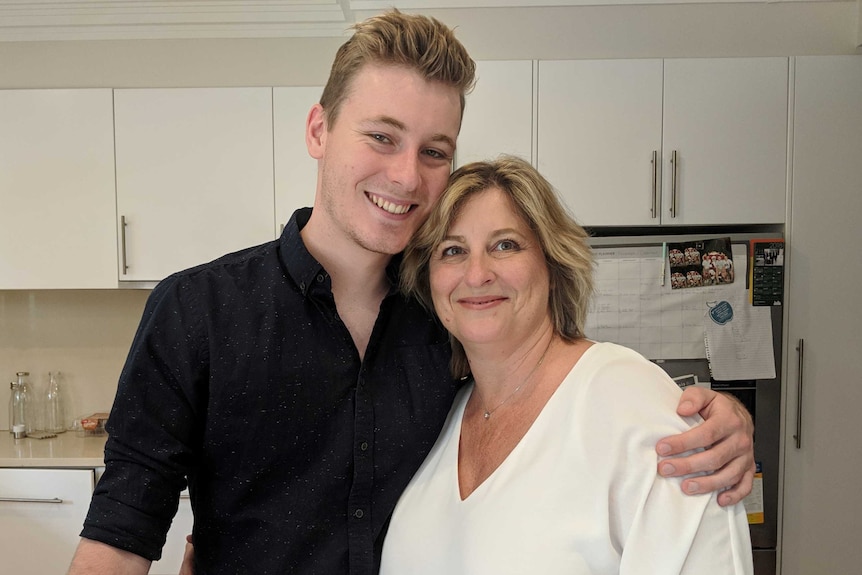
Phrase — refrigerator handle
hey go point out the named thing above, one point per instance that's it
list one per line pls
(800, 349)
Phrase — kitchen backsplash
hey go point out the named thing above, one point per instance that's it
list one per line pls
(84, 334)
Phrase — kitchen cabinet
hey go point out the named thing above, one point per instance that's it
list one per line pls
(822, 500)
(57, 203)
(666, 142)
(41, 513)
(295, 170)
(498, 114)
(175, 543)
(194, 176)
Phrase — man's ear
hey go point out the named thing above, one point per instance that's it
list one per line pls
(315, 132)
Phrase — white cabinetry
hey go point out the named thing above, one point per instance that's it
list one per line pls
(498, 115)
(822, 502)
(175, 544)
(666, 142)
(599, 132)
(295, 170)
(57, 204)
(41, 514)
(194, 176)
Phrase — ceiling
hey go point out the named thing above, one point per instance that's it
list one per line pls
(30, 20)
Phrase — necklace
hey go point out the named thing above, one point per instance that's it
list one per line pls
(487, 412)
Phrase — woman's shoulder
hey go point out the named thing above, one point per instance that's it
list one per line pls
(618, 382)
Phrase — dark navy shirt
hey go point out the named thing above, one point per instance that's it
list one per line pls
(243, 381)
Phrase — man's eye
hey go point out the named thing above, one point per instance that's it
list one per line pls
(379, 138)
(437, 154)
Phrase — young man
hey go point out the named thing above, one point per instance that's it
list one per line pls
(290, 384)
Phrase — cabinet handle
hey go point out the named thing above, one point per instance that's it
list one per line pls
(654, 209)
(123, 225)
(673, 164)
(800, 349)
(29, 500)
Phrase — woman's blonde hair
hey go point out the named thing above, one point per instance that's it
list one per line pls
(415, 42)
(563, 242)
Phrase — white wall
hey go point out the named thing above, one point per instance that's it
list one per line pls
(632, 31)
(83, 334)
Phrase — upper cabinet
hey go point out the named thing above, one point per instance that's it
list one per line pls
(57, 203)
(295, 170)
(498, 115)
(599, 135)
(194, 176)
(666, 142)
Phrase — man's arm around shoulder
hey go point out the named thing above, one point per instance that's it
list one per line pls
(96, 558)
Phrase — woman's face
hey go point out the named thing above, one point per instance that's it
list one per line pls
(489, 280)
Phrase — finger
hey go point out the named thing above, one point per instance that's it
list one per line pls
(700, 437)
(187, 568)
(694, 399)
(739, 491)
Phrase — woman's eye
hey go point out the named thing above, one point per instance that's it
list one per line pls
(506, 246)
(451, 251)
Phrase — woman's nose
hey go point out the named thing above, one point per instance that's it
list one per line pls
(479, 270)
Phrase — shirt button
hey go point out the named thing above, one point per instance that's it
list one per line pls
(363, 446)
(320, 278)
(358, 514)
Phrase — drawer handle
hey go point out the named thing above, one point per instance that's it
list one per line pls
(123, 225)
(29, 500)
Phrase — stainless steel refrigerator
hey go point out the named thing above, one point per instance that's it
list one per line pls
(762, 397)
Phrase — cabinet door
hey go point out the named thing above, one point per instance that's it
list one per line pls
(498, 114)
(726, 119)
(599, 130)
(822, 500)
(57, 205)
(194, 176)
(295, 170)
(41, 515)
(175, 544)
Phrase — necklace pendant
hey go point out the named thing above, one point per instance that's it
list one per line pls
(487, 414)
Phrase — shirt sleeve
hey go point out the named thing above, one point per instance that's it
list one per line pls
(655, 526)
(152, 428)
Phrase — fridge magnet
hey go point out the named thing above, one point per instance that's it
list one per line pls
(767, 271)
(698, 263)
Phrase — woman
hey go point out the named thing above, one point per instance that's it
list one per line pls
(546, 463)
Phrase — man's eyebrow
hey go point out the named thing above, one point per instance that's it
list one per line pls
(398, 125)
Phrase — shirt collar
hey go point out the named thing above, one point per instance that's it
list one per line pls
(300, 265)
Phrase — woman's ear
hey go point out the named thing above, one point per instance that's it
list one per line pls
(315, 132)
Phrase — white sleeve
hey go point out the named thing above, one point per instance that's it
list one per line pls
(656, 527)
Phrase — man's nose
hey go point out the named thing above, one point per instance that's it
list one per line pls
(405, 170)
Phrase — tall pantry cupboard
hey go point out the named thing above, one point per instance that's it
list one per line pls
(822, 502)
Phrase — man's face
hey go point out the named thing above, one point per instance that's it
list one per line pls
(386, 159)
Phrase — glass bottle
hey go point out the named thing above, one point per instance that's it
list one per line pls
(17, 421)
(27, 401)
(54, 413)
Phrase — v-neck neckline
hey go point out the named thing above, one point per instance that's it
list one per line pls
(522, 441)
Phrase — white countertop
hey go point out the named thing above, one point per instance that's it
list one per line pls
(66, 450)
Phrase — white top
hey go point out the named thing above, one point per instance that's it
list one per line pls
(578, 495)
